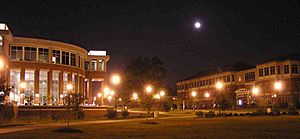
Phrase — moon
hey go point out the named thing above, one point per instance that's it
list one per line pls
(197, 25)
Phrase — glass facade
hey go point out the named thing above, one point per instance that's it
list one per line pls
(43, 55)
(30, 54)
(14, 81)
(65, 79)
(16, 53)
(55, 87)
(29, 89)
(43, 86)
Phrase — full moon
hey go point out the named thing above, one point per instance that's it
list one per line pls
(197, 25)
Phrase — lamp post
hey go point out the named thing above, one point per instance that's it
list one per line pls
(277, 87)
(219, 86)
(255, 92)
(69, 89)
(22, 94)
(148, 90)
(116, 79)
(194, 94)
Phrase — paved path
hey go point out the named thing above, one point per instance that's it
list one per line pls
(54, 125)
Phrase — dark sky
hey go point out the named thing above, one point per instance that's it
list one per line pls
(233, 30)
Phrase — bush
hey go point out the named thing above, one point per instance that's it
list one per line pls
(199, 113)
(292, 110)
(125, 113)
(210, 114)
(235, 114)
(111, 114)
(7, 112)
(284, 113)
(241, 114)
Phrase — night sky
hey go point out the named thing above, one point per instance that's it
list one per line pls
(232, 31)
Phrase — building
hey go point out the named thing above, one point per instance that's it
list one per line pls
(41, 69)
(274, 82)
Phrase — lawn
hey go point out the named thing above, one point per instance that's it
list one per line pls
(230, 127)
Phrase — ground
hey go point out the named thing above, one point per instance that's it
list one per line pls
(229, 127)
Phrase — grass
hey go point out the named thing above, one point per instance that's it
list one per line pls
(230, 127)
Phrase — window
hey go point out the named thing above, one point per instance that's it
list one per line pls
(66, 81)
(294, 68)
(261, 73)
(94, 64)
(266, 71)
(232, 78)
(278, 69)
(73, 59)
(29, 80)
(14, 81)
(65, 58)
(101, 65)
(43, 55)
(56, 56)
(30, 54)
(79, 61)
(43, 86)
(286, 69)
(16, 53)
(55, 88)
(228, 78)
(1, 41)
(250, 76)
(86, 65)
(272, 70)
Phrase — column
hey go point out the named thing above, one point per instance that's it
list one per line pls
(76, 83)
(70, 81)
(22, 80)
(49, 88)
(89, 94)
(36, 86)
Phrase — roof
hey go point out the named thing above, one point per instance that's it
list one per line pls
(233, 67)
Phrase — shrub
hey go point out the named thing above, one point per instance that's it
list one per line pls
(199, 113)
(292, 110)
(284, 113)
(210, 114)
(111, 114)
(125, 113)
(7, 112)
(235, 114)
(241, 114)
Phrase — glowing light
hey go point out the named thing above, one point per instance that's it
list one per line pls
(277, 86)
(174, 98)
(112, 92)
(97, 53)
(157, 96)
(197, 25)
(1, 93)
(69, 87)
(255, 91)
(206, 95)
(162, 93)
(135, 96)
(148, 89)
(116, 79)
(1, 64)
(219, 85)
(37, 95)
(61, 95)
(106, 91)
(120, 99)
(194, 93)
(22, 85)
(109, 98)
(99, 95)
(240, 102)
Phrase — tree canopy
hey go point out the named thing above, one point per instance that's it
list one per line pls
(143, 71)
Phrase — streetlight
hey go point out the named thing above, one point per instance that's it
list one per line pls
(99, 95)
(277, 87)
(206, 95)
(106, 91)
(157, 96)
(255, 91)
(69, 89)
(135, 96)
(194, 94)
(115, 79)
(219, 86)
(162, 93)
(148, 89)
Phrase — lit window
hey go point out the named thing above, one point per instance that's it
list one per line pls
(266, 71)
(261, 73)
(272, 70)
(29, 89)
(56, 56)
(278, 69)
(101, 65)
(43, 87)
(79, 61)
(1, 40)
(294, 68)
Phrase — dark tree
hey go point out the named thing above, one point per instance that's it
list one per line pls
(143, 71)
(4, 89)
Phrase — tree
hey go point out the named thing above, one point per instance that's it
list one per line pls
(142, 71)
(72, 102)
(4, 89)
